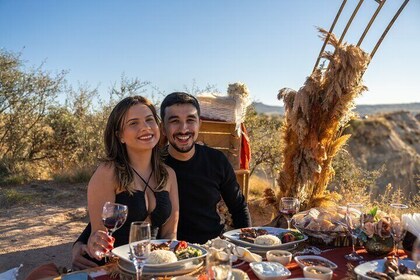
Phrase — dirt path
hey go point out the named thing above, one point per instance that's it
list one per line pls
(42, 229)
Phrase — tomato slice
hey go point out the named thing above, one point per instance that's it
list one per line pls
(181, 245)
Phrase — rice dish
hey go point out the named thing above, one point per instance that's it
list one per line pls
(267, 239)
(161, 256)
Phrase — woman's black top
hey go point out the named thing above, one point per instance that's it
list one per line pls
(137, 211)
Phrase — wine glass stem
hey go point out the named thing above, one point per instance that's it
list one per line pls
(353, 242)
(139, 269)
(107, 254)
(288, 224)
(396, 249)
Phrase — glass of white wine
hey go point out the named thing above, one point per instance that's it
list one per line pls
(219, 264)
(416, 254)
(398, 228)
(354, 221)
(139, 242)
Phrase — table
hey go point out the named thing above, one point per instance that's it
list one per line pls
(336, 255)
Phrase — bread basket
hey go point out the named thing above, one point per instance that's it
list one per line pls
(323, 226)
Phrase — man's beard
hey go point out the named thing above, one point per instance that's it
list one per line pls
(184, 149)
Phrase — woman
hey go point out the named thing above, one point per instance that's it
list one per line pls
(133, 174)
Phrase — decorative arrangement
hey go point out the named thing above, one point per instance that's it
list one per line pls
(315, 117)
(376, 232)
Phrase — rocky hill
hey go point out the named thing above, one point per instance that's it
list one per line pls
(392, 140)
(385, 135)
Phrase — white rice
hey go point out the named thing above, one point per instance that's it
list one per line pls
(161, 256)
(267, 239)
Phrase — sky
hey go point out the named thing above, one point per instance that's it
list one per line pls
(178, 45)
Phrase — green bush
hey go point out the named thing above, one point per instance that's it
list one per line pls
(10, 197)
(81, 175)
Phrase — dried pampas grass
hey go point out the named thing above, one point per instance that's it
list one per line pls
(315, 116)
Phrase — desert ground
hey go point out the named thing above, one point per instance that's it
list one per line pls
(45, 219)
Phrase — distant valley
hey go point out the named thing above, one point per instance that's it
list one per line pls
(362, 110)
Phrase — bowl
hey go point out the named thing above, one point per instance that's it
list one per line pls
(238, 274)
(318, 272)
(311, 260)
(270, 270)
(281, 256)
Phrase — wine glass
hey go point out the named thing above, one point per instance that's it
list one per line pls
(354, 222)
(113, 217)
(288, 207)
(219, 264)
(139, 242)
(398, 228)
(415, 255)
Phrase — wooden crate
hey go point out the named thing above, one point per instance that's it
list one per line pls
(223, 137)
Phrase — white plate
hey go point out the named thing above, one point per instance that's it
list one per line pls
(163, 271)
(312, 257)
(377, 265)
(302, 279)
(124, 253)
(263, 252)
(233, 235)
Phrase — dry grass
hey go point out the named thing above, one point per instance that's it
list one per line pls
(257, 185)
(315, 117)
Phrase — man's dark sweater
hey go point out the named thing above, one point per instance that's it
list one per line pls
(202, 181)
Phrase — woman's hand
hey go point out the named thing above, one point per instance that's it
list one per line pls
(79, 260)
(99, 243)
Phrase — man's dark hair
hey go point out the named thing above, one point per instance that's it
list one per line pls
(178, 98)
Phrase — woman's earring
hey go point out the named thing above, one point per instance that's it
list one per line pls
(122, 141)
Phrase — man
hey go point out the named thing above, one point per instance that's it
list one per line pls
(204, 176)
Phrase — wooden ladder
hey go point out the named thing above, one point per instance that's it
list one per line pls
(380, 3)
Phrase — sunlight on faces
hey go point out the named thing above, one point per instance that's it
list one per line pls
(140, 130)
(181, 126)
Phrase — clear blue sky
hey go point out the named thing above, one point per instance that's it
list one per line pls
(266, 44)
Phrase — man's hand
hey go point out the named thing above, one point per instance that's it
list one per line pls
(78, 260)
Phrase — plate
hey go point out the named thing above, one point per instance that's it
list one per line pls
(123, 252)
(299, 259)
(163, 271)
(233, 235)
(377, 265)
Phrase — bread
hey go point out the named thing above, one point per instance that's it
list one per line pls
(313, 225)
(322, 219)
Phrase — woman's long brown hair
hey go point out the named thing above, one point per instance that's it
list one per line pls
(116, 152)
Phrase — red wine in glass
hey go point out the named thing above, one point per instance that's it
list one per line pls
(113, 223)
(288, 207)
(288, 213)
(113, 217)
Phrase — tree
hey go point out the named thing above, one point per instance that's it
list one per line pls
(264, 134)
(25, 96)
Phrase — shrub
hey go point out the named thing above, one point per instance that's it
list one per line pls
(81, 175)
(11, 197)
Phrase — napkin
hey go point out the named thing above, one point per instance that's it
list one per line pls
(245, 255)
(412, 223)
(237, 251)
(10, 274)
